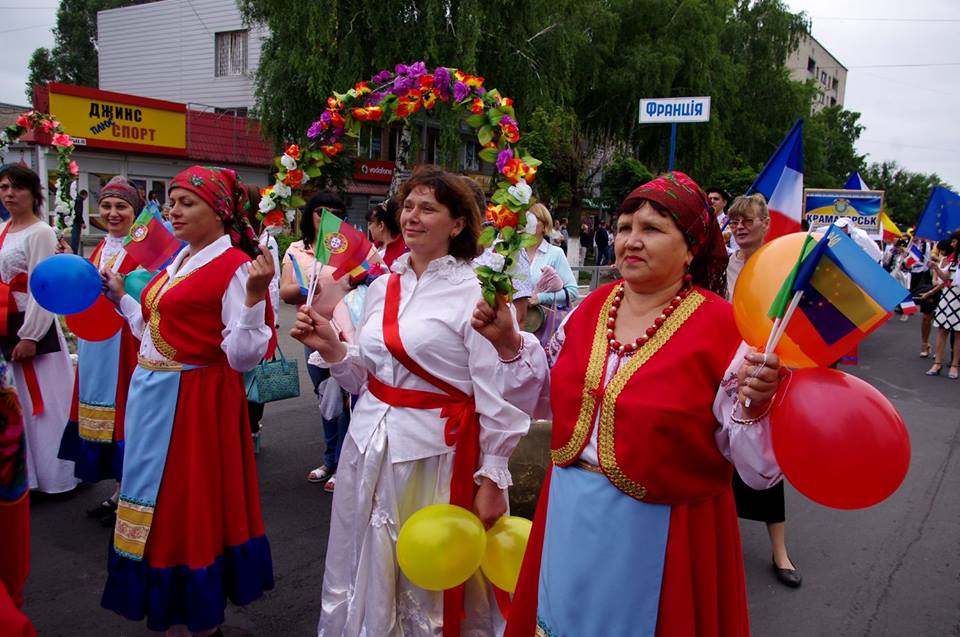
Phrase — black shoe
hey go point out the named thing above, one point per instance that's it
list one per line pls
(104, 508)
(788, 576)
(109, 520)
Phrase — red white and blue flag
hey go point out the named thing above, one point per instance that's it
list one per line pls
(855, 182)
(914, 256)
(781, 182)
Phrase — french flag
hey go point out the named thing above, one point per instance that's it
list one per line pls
(914, 256)
(781, 182)
(855, 182)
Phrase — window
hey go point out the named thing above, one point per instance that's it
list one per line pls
(230, 53)
(833, 101)
(236, 111)
(370, 143)
(812, 66)
(836, 83)
(471, 159)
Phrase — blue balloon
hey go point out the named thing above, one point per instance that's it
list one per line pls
(65, 284)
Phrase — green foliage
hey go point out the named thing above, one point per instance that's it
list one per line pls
(620, 177)
(735, 181)
(828, 148)
(73, 59)
(906, 192)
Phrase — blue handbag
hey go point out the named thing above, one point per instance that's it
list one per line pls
(272, 380)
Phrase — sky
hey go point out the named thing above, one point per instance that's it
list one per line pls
(902, 59)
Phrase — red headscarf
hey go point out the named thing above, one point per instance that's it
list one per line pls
(684, 200)
(224, 192)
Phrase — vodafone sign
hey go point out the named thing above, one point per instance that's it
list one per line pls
(370, 170)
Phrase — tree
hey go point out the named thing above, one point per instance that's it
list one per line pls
(620, 177)
(906, 192)
(73, 59)
(42, 70)
(828, 147)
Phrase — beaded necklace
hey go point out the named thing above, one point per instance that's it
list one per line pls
(625, 349)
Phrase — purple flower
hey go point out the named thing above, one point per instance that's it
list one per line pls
(314, 131)
(401, 69)
(417, 69)
(325, 118)
(403, 84)
(382, 77)
(441, 80)
(337, 133)
(503, 157)
(508, 121)
(460, 91)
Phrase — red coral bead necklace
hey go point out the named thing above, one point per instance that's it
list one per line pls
(623, 349)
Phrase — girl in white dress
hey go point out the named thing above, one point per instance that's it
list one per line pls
(32, 339)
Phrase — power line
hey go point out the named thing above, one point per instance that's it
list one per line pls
(902, 66)
(36, 26)
(889, 19)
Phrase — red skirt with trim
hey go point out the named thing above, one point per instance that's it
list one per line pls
(207, 543)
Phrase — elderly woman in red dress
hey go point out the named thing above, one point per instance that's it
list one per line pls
(636, 532)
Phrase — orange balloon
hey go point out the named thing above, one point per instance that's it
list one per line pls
(761, 278)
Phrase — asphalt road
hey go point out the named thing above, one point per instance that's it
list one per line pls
(892, 570)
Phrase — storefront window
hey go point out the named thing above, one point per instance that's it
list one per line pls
(370, 144)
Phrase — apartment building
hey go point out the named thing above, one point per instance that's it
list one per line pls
(812, 61)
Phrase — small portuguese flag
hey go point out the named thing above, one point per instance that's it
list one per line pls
(341, 246)
(150, 243)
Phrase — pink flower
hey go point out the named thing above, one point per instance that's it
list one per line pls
(48, 125)
(61, 140)
(74, 168)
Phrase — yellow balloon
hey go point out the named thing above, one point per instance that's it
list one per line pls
(761, 278)
(440, 546)
(506, 543)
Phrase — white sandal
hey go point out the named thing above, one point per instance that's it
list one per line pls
(320, 474)
(331, 484)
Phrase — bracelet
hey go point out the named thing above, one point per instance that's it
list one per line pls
(751, 421)
(519, 353)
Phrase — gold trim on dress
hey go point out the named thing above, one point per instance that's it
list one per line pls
(159, 366)
(132, 528)
(95, 422)
(594, 377)
(605, 434)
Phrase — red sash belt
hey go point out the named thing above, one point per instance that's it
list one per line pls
(461, 429)
(8, 305)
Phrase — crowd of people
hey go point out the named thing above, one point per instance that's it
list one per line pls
(424, 391)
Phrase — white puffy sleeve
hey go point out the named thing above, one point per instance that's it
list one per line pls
(132, 311)
(748, 447)
(39, 245)
(246, 335)
(502, 423)
(350, 372)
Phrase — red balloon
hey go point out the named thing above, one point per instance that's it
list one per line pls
(838, 440)
(98, 322)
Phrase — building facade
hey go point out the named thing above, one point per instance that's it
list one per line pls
(812, 61)
(195, 52)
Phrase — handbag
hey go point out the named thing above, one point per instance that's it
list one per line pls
(272, 380)
(49, 344)
(553, 316)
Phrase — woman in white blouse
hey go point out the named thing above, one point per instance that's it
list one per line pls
(32, 340)
(398, 459)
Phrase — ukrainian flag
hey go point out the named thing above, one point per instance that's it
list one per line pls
(846, 295)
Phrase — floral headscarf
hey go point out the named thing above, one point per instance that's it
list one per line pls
(684, 200)
(122, 188)
(222, 190)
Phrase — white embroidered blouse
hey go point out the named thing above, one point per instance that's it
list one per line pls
(245, 337)
(22, 251)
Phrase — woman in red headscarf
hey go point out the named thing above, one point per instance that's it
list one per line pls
(189, 532)
(636, 530)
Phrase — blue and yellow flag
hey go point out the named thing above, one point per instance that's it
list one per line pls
(846, 295)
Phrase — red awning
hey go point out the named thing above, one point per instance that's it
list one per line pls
(221, 138)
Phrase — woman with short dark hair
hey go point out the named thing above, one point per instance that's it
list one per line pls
(32, 340)
(383, 224)
(414, 342)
